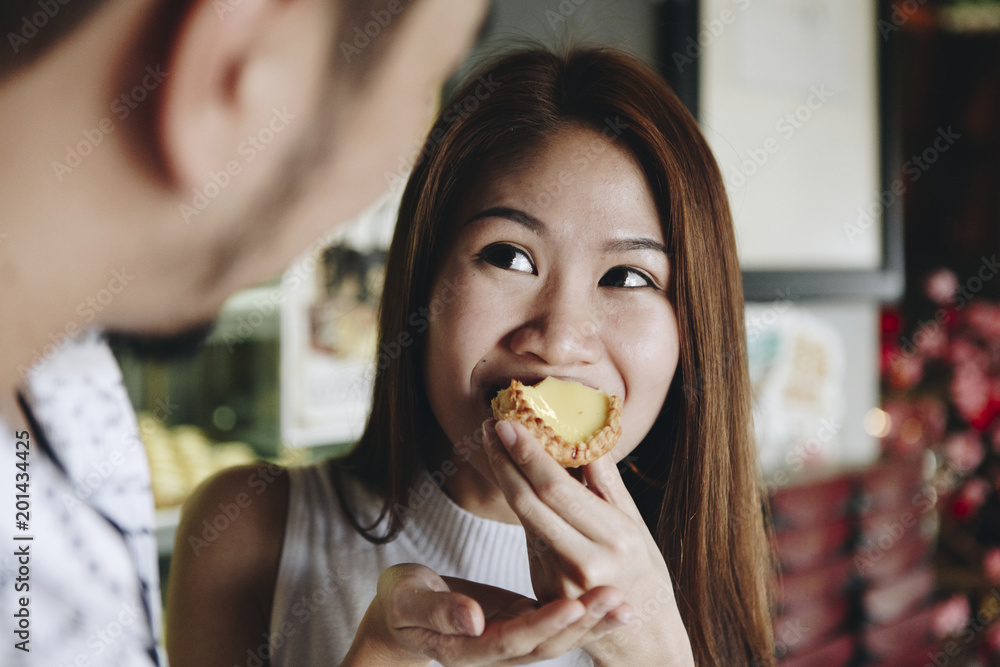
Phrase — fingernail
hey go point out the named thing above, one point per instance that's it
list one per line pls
(620, 619)
(489, 430)
(575, 615)
(602, 608)
(460, 622)
(506, 434)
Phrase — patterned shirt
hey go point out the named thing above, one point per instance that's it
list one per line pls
(85, 560)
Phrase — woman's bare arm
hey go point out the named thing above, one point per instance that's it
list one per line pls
(224, 568)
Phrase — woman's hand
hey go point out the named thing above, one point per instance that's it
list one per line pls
(418, 616)
(581, 537)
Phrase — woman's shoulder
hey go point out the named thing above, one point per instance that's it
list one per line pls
(226, 557)
(237, 515)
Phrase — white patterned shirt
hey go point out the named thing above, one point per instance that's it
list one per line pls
(90, 574)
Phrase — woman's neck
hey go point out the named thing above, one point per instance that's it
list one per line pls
(473, 492)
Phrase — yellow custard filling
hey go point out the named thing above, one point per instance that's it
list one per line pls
(574, 411)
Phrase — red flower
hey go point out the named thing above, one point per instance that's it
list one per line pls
(970, 392)
(892, 323)
(941, 286)
(970, 498)
(964, 451)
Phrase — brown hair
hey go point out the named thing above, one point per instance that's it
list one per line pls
(699, 488)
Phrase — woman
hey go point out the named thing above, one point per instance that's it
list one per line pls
(566, 218)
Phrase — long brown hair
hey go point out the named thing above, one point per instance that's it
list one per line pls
(699, 487)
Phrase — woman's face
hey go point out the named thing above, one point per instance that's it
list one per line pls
(558, 268)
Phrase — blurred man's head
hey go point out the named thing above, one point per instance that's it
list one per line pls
(192, 148)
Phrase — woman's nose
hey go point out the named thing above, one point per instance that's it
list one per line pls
(562, 332)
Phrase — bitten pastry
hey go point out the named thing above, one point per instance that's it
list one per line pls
(575, 424)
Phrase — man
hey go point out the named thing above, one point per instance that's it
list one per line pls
(155, 156)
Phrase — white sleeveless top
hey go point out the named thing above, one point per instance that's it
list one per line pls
(328, 572)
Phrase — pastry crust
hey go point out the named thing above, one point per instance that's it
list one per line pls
(511, 405)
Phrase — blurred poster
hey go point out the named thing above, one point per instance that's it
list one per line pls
(328, 330)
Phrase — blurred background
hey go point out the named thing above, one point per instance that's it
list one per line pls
(860, 144)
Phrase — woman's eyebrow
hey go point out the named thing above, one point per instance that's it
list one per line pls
(512, 214)
(635, 243)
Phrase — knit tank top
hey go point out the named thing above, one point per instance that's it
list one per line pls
(328, 572)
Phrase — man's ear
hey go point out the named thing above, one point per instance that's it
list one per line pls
(233, 67)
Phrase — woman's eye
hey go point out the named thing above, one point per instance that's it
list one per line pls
(623, 276)
(507, 256)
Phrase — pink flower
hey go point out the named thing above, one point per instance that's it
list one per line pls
(953, 616)
(970, 498)
(984, 319)
(931, 340)
(991, 565)
(964, 451)
(905, 370)
(970, 392)
(963, 351)
(941, 286)
(992, 638)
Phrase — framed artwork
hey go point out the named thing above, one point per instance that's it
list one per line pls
(796, 102)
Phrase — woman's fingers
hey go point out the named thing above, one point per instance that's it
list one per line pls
(533, 482)
(414, 596)
(535, 514)
(602, 477)
(606, 611)
(495, 602)
(509, 642)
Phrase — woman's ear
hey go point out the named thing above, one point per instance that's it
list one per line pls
(239, 70)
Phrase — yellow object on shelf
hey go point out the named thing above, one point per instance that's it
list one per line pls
(182, 457)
